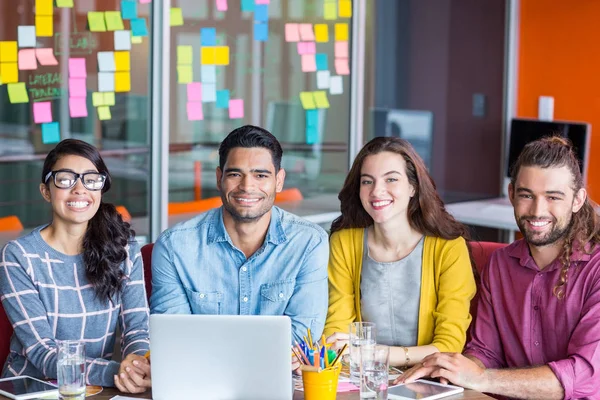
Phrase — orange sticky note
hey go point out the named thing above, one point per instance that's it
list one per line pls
(122, 81)
(222, 55)
(122, 61)
(44, 25)
(208, 55)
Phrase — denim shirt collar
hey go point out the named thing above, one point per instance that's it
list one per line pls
(218, 233)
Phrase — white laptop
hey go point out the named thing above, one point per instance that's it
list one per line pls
(220, 357)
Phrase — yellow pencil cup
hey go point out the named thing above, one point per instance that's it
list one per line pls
(321, 385)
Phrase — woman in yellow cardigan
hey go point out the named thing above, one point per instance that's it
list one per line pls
(398, 258)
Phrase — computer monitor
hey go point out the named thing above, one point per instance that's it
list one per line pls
(523, 131)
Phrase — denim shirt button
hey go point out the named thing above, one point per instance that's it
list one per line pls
(244, 269)
(201, 295)
(280, 294)
(245, 299)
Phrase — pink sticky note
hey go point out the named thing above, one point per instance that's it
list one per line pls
(194, 91)
(341, 66)
(145, 1)
(236, 108)
(309, 63)
(310, 48)
(306, 32)
(42, 112)
(341, 49)
(77, 87)
(263, 2)
(301, 48)
(346, 387)
(46, 56)
(78, 107)
(222, 5)
(27, 59)
(194, 111)
(77, 68)
(292, 34)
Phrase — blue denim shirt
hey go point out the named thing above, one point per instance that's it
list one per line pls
(196, 269)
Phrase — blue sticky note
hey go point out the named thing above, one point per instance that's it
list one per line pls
(321, 62)
(261, 32)
(51, 132)
(312, 118)
(248, 5)
(261, 13)
(222, 98)
(312, 134)
(208, 36)
(209, 92)
(128, 9)
(208, 74)
(138, 27)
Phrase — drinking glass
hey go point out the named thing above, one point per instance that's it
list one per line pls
(71, 370)
(374, 370)
(361, 333)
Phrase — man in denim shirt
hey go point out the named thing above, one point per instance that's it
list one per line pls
(246, 257)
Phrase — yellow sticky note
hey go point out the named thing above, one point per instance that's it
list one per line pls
(104, 113)
(321, 99)
(208, 55)
(109, 98)
(321, 33)
(136, 39)
(97, 99)
(345, 9)
(184, 74)
(8, 51)
(96, 21)
(341, 32)
(122, 81)
(17, 93)
(64, 3)
(44, 25)
(330, 11)
(222, 55)
(176, 17)
(184, 55)
(114, 22)
(122, 61)
(9, 72)
(308, 100)
(44, 7)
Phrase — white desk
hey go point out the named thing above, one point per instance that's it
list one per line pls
(491, 213)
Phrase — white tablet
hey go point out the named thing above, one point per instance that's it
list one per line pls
(422, 390)
(26, 387)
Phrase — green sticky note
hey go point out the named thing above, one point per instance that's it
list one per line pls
(184, 55)
(308, 101)
(176, 17)
(114, 22)
(96, 21)
(64, 3)
(17, 93)
(184, 74)
(321, 99)
(104, 113)
(98, 99)
(109, 98)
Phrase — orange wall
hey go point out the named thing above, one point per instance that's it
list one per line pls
(559, 56)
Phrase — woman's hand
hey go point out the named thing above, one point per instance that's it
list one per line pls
(338, 340)
(134, 375)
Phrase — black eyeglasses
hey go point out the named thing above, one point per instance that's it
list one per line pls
(65, 179)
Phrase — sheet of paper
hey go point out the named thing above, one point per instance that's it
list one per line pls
(106, 61)
(341, 32)
(78, 107)
(44, 25)
(208, 36)
(194, 91)
(42, 112)
(139, 27)
(208, 74)
(209, 92)
(176, 17)
(341, 50)
(114, 22)
(122, 61)
(341, 66)
(184, 74)
(194, 111)
(46, 56)
(345, 9)
(51, 133)
(128, 9)
(109, 98)
(26, 35)
(222, 99)
(248, 5)
(292, 33)
(123, 40)
(261, 32)
(104, 113)
(261, 12)
(106, 81)
(306, 32)
(330, 11)
(184, 55)
(17, 93)
(323, 78)
(77, 87)
(321, 33)
(9, 72)
(308, 63)
(123, 81)
(308, 101)
(221, 5)
(64, 3)
(321, 100)
(236, 108)
(77, 68)
(27, 60)
(44, 7)
(98, 99)
(335, 85)
(96, 21)
(321, 60)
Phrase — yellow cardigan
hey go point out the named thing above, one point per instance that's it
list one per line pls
(447, 287)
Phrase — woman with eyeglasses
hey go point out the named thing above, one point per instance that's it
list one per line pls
(77, 278)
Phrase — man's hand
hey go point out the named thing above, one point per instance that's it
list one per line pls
(134, 375)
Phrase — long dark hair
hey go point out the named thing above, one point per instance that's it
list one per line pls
(106, 235)
(426, 211)
(584, 229)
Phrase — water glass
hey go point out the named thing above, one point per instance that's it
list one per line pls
(71, 370)
(361, 333)
(374, 371)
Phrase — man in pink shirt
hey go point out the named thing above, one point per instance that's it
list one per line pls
(537, 330)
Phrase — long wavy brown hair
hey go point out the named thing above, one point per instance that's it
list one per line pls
(584, 229)
(426, 211)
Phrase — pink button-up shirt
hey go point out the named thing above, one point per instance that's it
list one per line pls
(521, 323)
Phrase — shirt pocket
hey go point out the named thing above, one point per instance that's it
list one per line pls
(205, 302)
(275, 296)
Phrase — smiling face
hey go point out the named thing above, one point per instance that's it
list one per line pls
(248, 183)
(384, 187)
(76, 205)
(544, 203)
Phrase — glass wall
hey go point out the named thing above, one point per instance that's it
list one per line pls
(73, 69)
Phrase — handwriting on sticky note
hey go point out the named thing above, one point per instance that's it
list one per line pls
(42, 112)
(236, 108)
